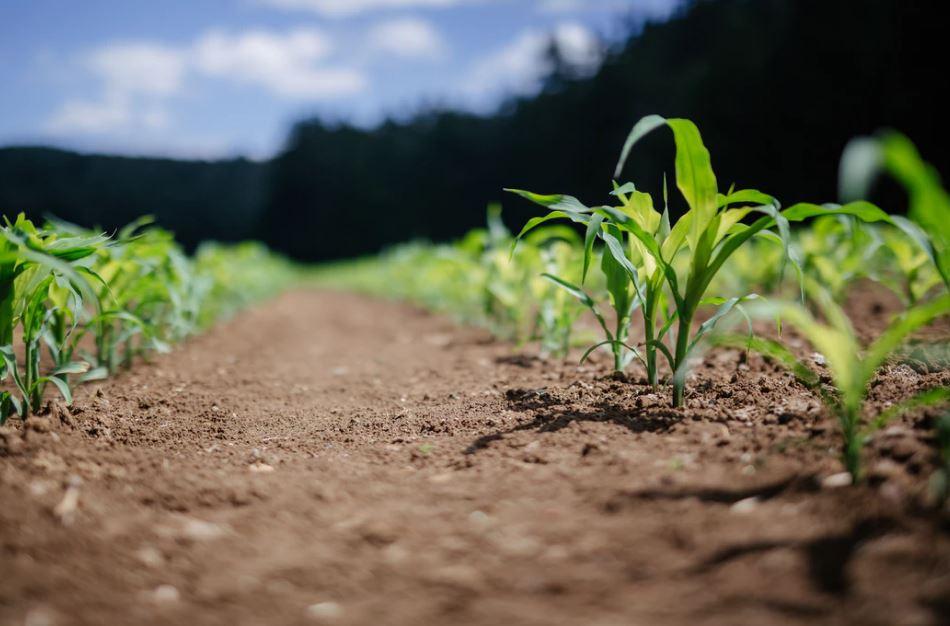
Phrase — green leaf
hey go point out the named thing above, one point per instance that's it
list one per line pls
(861, 160)
(61, 385)
(694, 176)
(74, 367)
(96, 373)
(622, 190)
(909, 321)
(724, 308)
(572, 289)
(744, 196)
(930, 397)
(864, 211)
(770, 348)
(611, 342)
(553, 201)
(593, 228)
(643, 127)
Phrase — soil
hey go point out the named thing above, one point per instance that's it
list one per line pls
(332, 458)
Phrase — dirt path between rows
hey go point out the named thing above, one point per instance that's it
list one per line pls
(330, 458)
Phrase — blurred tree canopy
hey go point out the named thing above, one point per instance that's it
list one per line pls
(776, 86)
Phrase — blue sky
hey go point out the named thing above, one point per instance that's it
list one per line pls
(215, 78)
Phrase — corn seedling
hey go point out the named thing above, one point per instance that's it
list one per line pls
(132, 294)
(929, 202)
(42, 293)
(850, 364)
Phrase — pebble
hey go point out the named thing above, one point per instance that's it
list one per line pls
(40, 616)
(150, 556)
(884, 470)
(200, 530)
(834, 481)
(165, 594)
(260, 468)
(746, 505)
(325, 611)
(65, 511)
(479, 519)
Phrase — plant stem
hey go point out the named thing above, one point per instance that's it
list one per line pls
(620, 335)
(851, 453)
(649, 335)
(32, 402)
(679, 357)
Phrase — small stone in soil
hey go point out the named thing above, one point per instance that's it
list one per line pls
(165, 594)
(841, 479)
(324, 611)
(746, 505)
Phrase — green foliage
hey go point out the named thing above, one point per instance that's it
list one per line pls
(96, 302)
(651, 265)
(851, 365)
(929, 203)
(483, 279)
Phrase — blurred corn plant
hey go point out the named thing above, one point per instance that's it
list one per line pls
(131, 294)
(651, 261)
(42, 295)
(851, 365)
(928, 202)
(482, 279)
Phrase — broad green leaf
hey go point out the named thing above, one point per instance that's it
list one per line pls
(694, 176)
(744, 196)
(862, 210)
(640, 129)
(61, 385)
(590, 236)
(553, 201)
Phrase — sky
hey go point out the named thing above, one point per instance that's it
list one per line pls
(221, 78)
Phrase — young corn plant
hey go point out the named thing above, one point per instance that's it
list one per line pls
(689, 254)
(929, 203)
(642, 254)
(557, 311)
(40, 289)
(851, 365)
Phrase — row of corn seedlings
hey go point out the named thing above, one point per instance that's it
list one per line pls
(666, 271)
(731, 251)
(480, 280)
(75, 305)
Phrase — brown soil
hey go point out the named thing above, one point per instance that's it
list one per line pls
(329, 458)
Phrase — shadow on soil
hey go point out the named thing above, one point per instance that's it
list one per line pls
(553, 415)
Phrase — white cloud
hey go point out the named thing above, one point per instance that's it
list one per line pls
(138, 67)
(138, 79)
(110, 113)
(287, 65)
(407, 37)
(347, 8)
(653, 9)
(520, 65)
